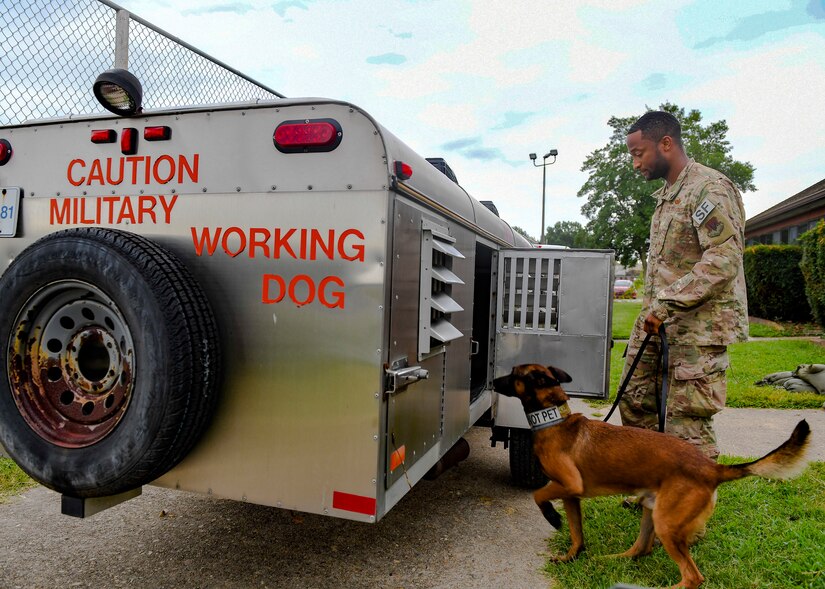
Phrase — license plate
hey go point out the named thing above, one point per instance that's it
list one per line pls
(9, 209)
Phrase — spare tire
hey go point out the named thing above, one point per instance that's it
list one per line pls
(112, 363)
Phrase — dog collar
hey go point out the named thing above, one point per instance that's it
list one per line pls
(547, 417)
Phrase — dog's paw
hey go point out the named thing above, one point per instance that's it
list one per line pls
(551, 515)
(571, 555)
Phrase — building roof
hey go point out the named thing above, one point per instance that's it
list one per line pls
(809, 199)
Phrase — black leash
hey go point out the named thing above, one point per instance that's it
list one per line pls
(661, 400)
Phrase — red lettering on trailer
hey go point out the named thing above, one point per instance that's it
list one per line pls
(302, 290)
(143, 168)
(296, 243)
(112, 210)
(226, 245)
(337, 295)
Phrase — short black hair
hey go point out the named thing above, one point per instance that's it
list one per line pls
(655, 124)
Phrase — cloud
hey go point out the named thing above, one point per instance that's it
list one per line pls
(513, 119)
(484, 154)
(472, 148)
(655, 82)
(461, 144)
(387, 59)
(284, 5)
(234, 8)
(756, 25)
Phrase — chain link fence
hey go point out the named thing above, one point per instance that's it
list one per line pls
(52, 51)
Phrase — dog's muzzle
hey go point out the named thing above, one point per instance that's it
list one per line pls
(504, 385)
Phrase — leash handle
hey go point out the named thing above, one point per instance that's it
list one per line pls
(661, 400)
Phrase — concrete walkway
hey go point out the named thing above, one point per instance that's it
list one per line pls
(747, 432)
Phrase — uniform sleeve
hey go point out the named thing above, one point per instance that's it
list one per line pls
(718, 220)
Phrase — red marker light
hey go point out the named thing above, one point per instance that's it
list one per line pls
(307, 136)
(128, 141)
(104, 136)
(402, 171)
(157, 133)
(5, 152)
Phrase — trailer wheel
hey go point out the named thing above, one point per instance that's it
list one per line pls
(525, 469)
(111, 354)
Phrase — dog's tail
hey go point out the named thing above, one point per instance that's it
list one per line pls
(783, 463)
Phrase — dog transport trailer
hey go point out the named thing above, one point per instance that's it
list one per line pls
(273, 301)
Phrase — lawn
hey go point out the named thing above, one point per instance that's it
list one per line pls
(749, 362)
(12, 479)
(780, 547)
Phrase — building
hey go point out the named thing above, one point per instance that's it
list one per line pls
(785, 222)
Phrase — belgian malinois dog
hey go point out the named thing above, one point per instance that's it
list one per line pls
(586, 458)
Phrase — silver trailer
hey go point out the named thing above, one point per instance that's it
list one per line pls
(275, 302)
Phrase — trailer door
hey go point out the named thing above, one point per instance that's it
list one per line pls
(554, 307)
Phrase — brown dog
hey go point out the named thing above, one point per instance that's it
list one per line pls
(585, 458)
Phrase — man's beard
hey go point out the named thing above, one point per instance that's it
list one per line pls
(660, 168)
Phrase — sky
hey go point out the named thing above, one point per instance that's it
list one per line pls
(485, 83)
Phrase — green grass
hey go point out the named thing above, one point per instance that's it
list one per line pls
(749, 362)
(763, 534)
(624, 315)
(784, 329)
(12, 480)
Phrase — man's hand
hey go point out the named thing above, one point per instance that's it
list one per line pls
(652, 324)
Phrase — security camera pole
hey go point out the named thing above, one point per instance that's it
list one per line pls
(554, 153)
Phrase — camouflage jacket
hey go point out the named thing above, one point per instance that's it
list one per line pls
(695, 279)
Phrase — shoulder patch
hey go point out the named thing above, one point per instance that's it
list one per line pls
(718, 228)
(702, 211)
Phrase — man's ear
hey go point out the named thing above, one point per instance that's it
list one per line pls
(559, 374)
(667, 143)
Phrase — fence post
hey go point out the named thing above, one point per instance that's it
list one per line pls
(122, 40)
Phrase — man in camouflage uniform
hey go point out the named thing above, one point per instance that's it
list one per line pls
(695, 285)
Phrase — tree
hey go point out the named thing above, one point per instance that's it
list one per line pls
(569, 233)
(619, 200)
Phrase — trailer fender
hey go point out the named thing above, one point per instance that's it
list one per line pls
(112, 363)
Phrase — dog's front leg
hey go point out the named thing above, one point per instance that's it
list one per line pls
(572, 507)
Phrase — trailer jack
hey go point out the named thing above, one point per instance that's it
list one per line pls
(88, 506)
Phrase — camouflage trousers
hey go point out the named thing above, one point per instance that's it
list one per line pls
(697, 388)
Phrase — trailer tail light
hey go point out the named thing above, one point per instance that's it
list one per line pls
(402, 171)
(128, 141)
(104, 136)
(162, 133)
(310, 135)
(5, 152)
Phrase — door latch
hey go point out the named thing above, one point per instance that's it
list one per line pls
(398, 378)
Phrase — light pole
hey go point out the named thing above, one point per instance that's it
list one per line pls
(554, 153)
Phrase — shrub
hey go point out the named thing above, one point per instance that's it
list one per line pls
(776, 286)
(813, 269)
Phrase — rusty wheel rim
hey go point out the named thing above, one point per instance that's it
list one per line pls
(71, 364)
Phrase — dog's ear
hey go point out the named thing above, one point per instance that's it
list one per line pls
(559, 374)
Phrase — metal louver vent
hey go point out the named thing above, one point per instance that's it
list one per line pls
(437, 279)
(530, 285)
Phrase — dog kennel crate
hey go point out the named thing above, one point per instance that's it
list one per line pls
(274, 300)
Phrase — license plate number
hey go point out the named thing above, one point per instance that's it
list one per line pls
(9, 210)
